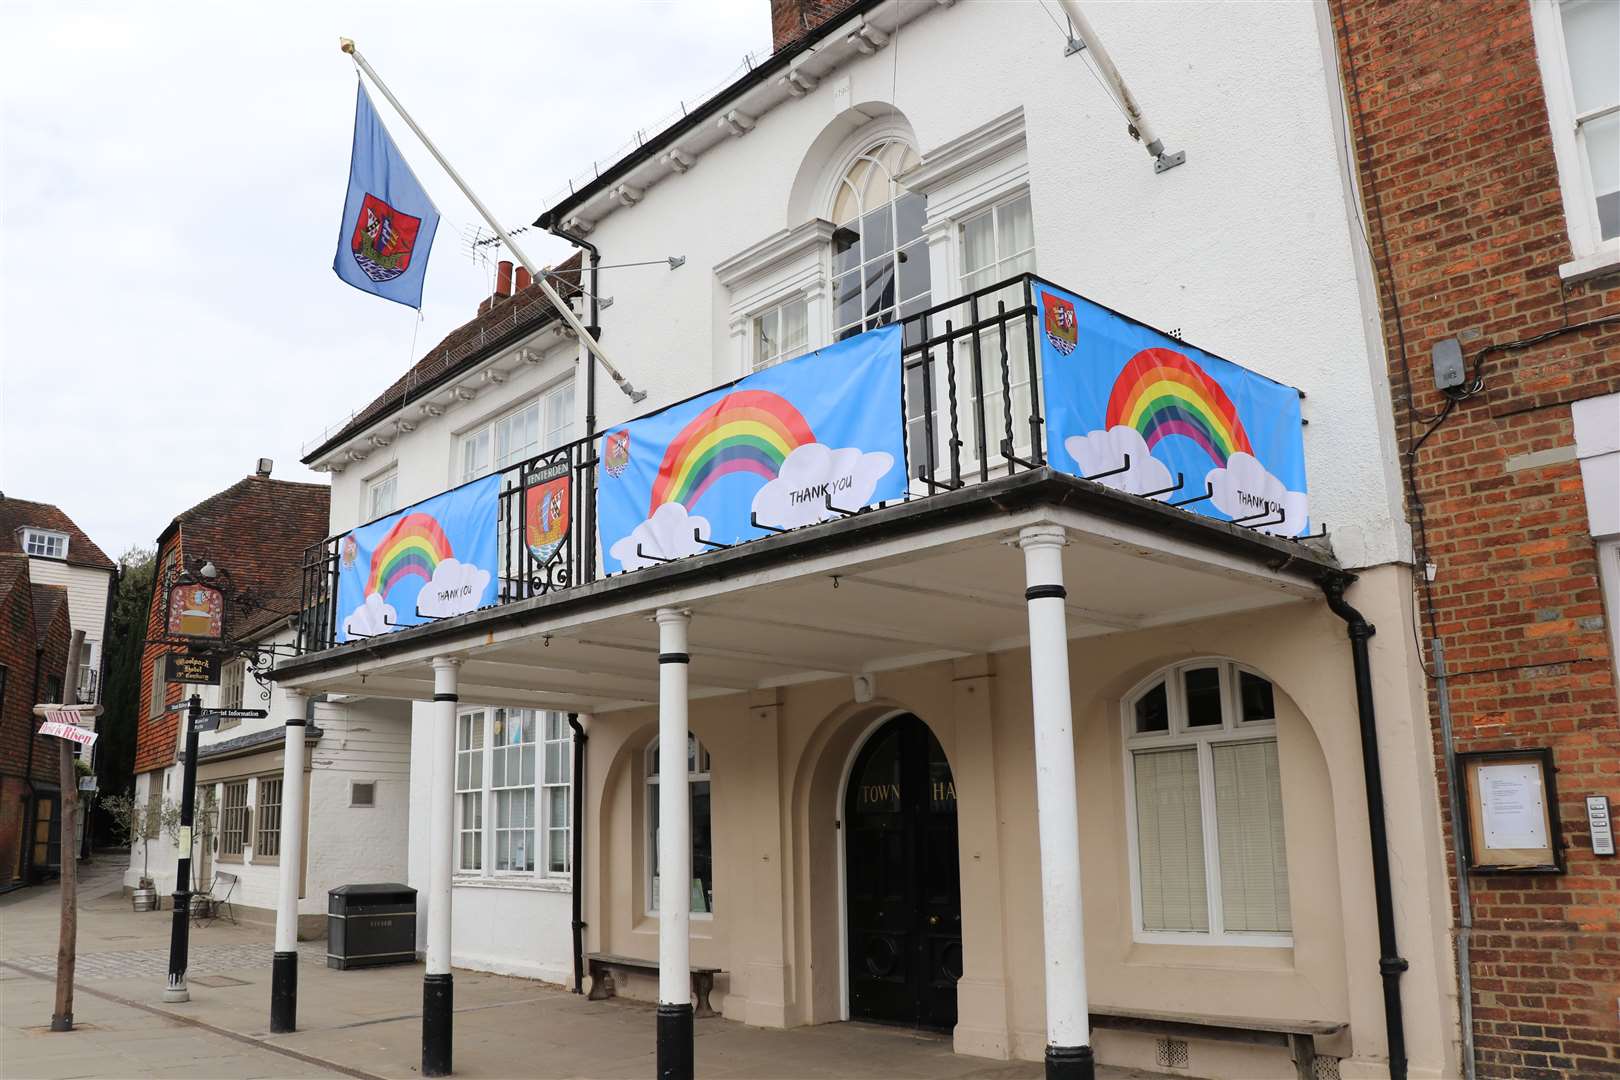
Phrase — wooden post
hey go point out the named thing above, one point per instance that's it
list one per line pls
(68, 938)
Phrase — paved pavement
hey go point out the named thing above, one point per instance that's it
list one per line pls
(367, 1023)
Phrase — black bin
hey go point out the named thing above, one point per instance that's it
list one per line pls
(370, 925)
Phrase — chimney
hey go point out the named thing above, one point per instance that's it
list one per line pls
(523, 279)
(503, 278)
(793, 19)
(263, 470)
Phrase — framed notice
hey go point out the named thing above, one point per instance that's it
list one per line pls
(1510, 801)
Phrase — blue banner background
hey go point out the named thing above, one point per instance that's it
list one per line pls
(773, 441)
(1173, 420)
(440, 553)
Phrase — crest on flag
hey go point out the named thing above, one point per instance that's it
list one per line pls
(388, 220)
(1061, 324)
(383, 239)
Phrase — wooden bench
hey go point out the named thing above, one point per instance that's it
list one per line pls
(602, 966)
(1306, 1039)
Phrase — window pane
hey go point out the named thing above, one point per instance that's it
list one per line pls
(877, 230)
(1592, 39)
(847, 299)
(978, 250)
(1203, 689)
(795, 329)
(879, 286)
(913, 270)
(1153, 711)
(1249, 823)
(846, 243)
(1015, 228)
(1257, 700)
(1170, 841)
(1602, 138)
(702, 849)
(910, 211)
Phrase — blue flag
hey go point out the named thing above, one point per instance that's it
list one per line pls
(388, 220)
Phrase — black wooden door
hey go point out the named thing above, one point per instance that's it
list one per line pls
(903, 881)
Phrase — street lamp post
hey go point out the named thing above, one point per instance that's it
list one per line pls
(180, 931)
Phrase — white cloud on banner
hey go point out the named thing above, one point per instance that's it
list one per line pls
(456, 589)
(798, 495)
(1246, 488)
(371, 617)
(667, 534)
(1102, 451)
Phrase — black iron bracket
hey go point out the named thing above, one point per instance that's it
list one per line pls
(1209, 493)
(696, 535)
(1172, 489)
(1125, 467)
(640, 554)
(827, 501)
(753, 519)
(937, 485)
(1007, 453)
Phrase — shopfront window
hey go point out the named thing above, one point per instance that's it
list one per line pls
(700, 889)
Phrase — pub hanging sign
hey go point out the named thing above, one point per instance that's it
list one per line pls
(200, 668)
(196, 610)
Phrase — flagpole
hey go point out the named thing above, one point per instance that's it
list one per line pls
(535, 272)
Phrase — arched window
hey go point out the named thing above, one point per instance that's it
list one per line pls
(1204, 807)
(701, 887)
(879, 256)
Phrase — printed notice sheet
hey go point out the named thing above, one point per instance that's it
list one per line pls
(1512, 808)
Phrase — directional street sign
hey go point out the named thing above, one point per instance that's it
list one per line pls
(208, 719)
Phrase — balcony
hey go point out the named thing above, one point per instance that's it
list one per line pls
(974, 416)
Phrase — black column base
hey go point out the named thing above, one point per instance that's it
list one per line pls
(674, 1042)
(284, 993)
(1070, 1063)
(438, 1000)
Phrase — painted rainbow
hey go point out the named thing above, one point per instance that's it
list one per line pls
(748, 431)
(1162, 393)
(415, 546)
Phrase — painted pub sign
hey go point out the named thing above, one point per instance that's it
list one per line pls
(196, 610)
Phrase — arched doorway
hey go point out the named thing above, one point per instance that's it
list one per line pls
(903, 897)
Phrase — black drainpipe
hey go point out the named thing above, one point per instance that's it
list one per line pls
(594, 326)
(578, 816)
(1390, 963)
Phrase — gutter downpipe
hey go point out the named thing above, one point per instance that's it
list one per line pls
(577, 814)
(1465, 902)
(1390, 963)
(595, 329)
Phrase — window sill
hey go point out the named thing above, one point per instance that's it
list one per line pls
(1605, 260)
(551, 885)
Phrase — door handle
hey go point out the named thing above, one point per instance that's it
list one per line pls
(933, 920)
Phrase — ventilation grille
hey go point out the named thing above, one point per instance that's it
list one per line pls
(363, 794)
(1172, 1053)
(1325, 1068)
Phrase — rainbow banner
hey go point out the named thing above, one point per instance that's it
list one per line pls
(777, 444)
(426, 562)
(1116, 389)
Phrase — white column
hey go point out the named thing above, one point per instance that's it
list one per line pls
(295, 706)
(674, 812)
(441, 824)
(438, 996)
(1068, 1052)
(289, 874)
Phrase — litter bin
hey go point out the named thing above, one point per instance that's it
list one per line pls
(370, 925)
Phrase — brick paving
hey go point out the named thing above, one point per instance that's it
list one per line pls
(154, 962)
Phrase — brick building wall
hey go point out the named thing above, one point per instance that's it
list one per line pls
(1461, 192)
(20, 637)
(792, 19)
(157, 735)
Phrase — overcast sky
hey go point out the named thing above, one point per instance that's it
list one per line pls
(171, 178)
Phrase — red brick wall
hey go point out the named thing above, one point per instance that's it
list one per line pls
(18, 640)
(792, 19)
(157, 737)
(1459, 181)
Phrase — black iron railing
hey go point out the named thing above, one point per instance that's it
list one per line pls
(971, 404)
